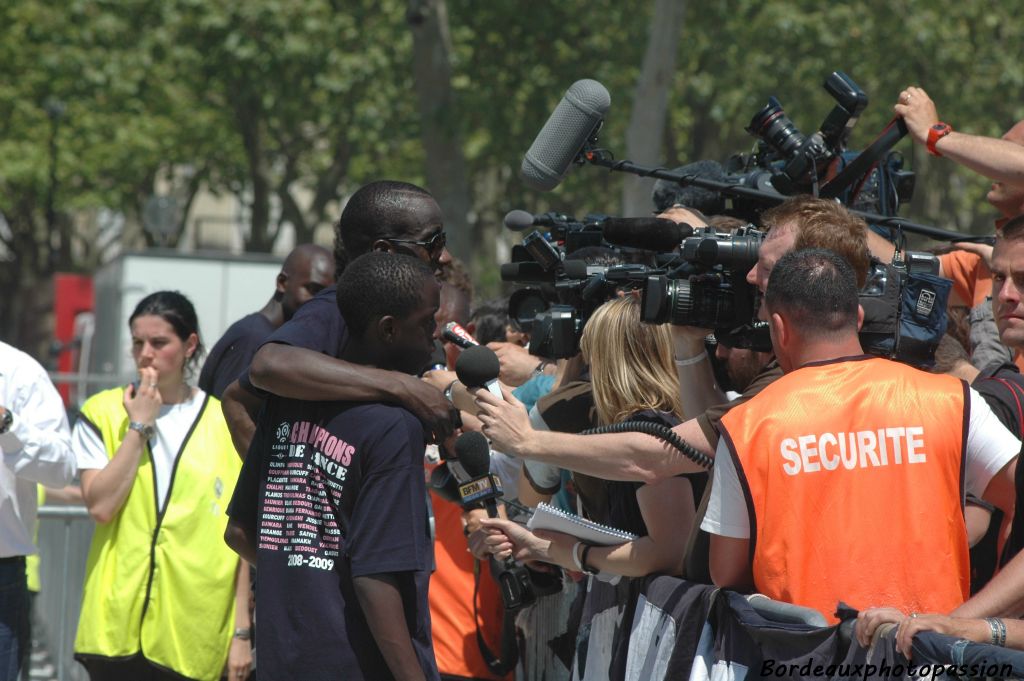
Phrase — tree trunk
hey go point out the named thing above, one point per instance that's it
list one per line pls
(447, 178)
(261, 237)
(645, 135)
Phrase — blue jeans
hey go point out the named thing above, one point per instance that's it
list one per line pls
(13, 617)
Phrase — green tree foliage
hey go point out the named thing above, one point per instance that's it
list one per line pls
(289, 106)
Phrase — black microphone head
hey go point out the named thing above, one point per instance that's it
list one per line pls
(564, 134)
(652, 234)
(477, 366)
(474, 453)
(668, 193)
(518, 220)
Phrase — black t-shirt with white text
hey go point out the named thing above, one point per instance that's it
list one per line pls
(339, 493)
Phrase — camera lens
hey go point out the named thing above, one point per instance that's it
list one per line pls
(773, 126)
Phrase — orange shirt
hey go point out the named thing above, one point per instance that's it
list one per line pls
(972, 280)
(453, 628)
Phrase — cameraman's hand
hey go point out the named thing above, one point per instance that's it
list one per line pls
(918, 111)
(982, 250)
(505, 422)
(517, 364)
(688, 341)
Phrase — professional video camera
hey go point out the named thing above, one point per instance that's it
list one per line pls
(703, 284)
(906, 302)
(710, 289)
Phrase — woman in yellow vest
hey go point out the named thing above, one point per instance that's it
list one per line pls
(164, 597)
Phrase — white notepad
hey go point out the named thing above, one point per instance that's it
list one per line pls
(548, 517)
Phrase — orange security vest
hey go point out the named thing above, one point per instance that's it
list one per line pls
(853, 476)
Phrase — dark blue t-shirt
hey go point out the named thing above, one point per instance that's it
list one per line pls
(340, 495)
(317, 325)
(233, 353)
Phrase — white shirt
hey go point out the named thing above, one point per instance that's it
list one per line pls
(172, 424)
(990, 446)
(36, 449)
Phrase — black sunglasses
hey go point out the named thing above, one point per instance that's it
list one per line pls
(432, 245)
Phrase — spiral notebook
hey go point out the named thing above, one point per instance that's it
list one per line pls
(548, 517)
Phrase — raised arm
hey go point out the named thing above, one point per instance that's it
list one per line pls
(998, 159)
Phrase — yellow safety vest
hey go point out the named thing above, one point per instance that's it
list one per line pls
(162, 582)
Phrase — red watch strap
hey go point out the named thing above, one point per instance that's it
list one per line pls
(935, 133)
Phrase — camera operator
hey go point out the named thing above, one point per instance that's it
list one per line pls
(800, 222)
(1002, 595)
(1001, 160)
(851, 449)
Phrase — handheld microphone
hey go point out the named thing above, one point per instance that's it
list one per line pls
(568, 128)
(474, 453)
(478, 367)
(454, 333)
(652, 234)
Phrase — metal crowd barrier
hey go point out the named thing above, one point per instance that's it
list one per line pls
(65, 533)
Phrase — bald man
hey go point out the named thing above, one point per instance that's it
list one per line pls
(307, 270)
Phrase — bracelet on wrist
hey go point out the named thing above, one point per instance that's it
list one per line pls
(997, 631)
(243, 634)
(583, 561)
(576, 556)
(448, 390)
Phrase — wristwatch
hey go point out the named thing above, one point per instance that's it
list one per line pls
(935, 133)
(143, 429)
(6, 420)
(243, 634)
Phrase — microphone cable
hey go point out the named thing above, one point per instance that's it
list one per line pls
(663, 433)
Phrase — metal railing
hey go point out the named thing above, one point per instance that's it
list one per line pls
(65, 533)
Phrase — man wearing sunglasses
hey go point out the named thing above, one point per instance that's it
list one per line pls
(300, 360)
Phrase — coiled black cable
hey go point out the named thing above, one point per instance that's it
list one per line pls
(659, 431)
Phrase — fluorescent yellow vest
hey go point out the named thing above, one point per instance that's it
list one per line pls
(163, 583)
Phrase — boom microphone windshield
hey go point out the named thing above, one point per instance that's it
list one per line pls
(652, 234)
(566, 131)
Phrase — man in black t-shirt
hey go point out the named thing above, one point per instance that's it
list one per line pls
(330, 502)
(306, 271)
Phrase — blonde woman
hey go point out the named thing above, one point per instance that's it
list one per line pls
(633, 375)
